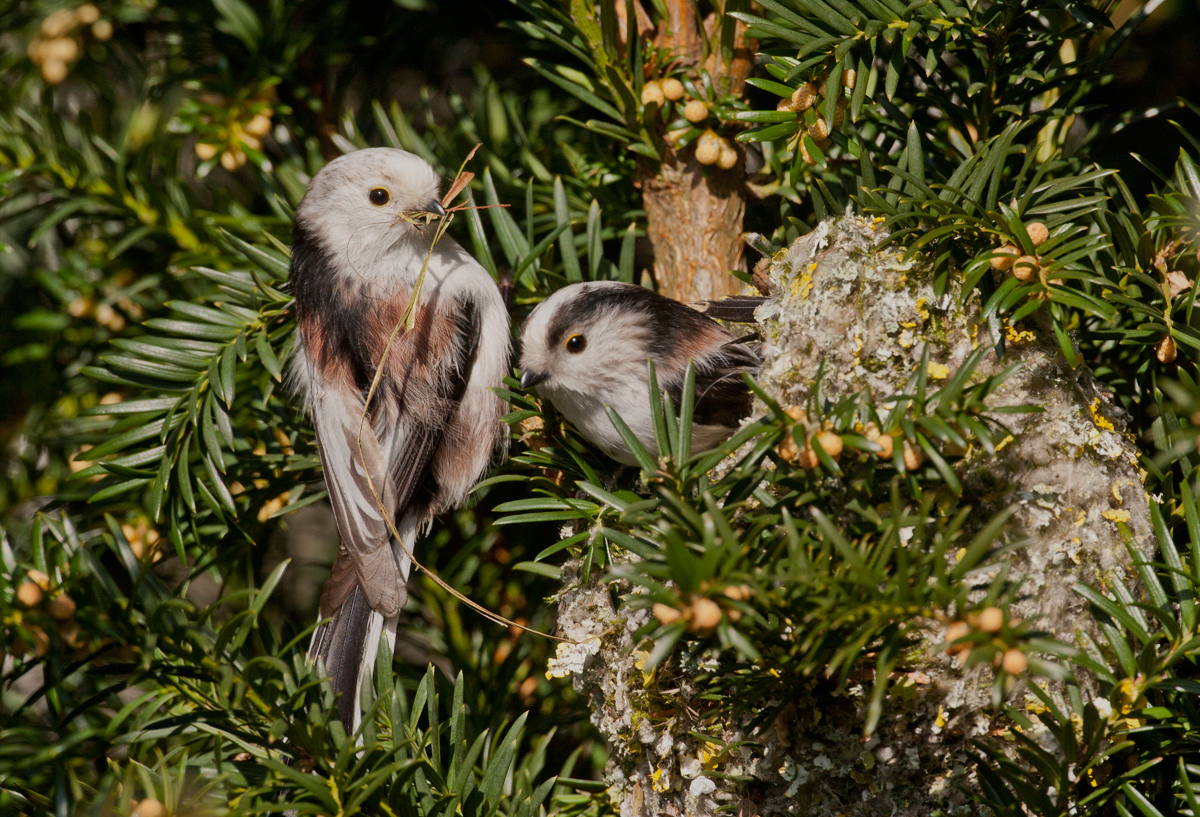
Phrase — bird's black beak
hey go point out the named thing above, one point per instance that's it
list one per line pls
(435, 207)
(529, 379)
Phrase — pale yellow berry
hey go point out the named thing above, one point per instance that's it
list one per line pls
(808, 459)
(832, 444)
(738, 593)
(1166, 350)
(87, 14)
(784, 105)
(251, 142)
(102, 30)
(1038, 232)
(818, 130)
(61, 607)
(788, 449)
(652, 93)
(695, 111)
(54, 71)
(41, 641)
(665, 613)
(956, 630)
(260, 125)
(913, 456)
(886, 443)
(839, 113)
(848, 78)
(148, 808)
(990, 620)
(1025, 267)
(205, 151)
(797, 414)
(708, 148)
(39, 578)
(706, 614)
(804, 97)
(58, 23)
(727, 157)
(29, 594)
(672, 89)
(1004, 258)
(64, 49)
(1014, 662)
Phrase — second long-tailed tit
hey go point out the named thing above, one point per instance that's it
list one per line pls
(432, 424)
(586, 346)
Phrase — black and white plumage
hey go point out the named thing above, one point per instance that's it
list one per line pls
(586, 347)
(433, 423)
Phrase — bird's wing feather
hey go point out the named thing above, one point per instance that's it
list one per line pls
(722, 397)
(361, 506)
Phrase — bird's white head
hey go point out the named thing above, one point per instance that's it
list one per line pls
(366, 204)
(587, 337)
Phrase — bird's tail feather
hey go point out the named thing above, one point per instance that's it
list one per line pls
(349, 642)
(735, 309)
(342, 643)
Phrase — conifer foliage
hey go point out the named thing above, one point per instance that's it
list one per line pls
(153, 633)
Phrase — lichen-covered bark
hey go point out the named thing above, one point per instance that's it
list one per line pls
(1070, 472)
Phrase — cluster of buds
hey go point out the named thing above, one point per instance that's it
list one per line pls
(104, 314)
(58, 45)
(711, 149)
(35, 593)
(243, 129)
(807, 97)
(1008, 258)
(143, 540)
(806, 457)
(991, 622)
(700, 613)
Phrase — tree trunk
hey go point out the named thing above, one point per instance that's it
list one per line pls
(863, 318)
(694, 213)
(694, 220)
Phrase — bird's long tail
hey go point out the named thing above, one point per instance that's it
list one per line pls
(349, 642)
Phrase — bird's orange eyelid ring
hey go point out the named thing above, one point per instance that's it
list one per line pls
(379, 196)
(575, 343)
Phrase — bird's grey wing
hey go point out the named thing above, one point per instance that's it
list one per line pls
(722, 397)
(363, 499)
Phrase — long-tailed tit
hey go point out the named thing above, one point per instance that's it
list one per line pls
(432, 423)
(586, 346)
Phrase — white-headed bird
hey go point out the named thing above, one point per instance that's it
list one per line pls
(586, 346)
(432, 424)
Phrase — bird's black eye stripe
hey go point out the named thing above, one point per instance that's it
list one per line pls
(380, 196)
(576, 344)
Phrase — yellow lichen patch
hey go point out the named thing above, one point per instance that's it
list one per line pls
(1016, 336)
(1116, 516)
(659, 780)
(707, 755)
(1099, 419)
(922, 312)
(803, 284)
(960, 554)
(1116, 492)
(1080, 518)
(1000, 445)
(938, 371)
(973, 331)
(941, 718)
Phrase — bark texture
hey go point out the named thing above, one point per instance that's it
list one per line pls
(694, 213)
(1070, 472)
(694, 220)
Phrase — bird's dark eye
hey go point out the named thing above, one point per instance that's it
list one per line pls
(380, 196)
(576, 344)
